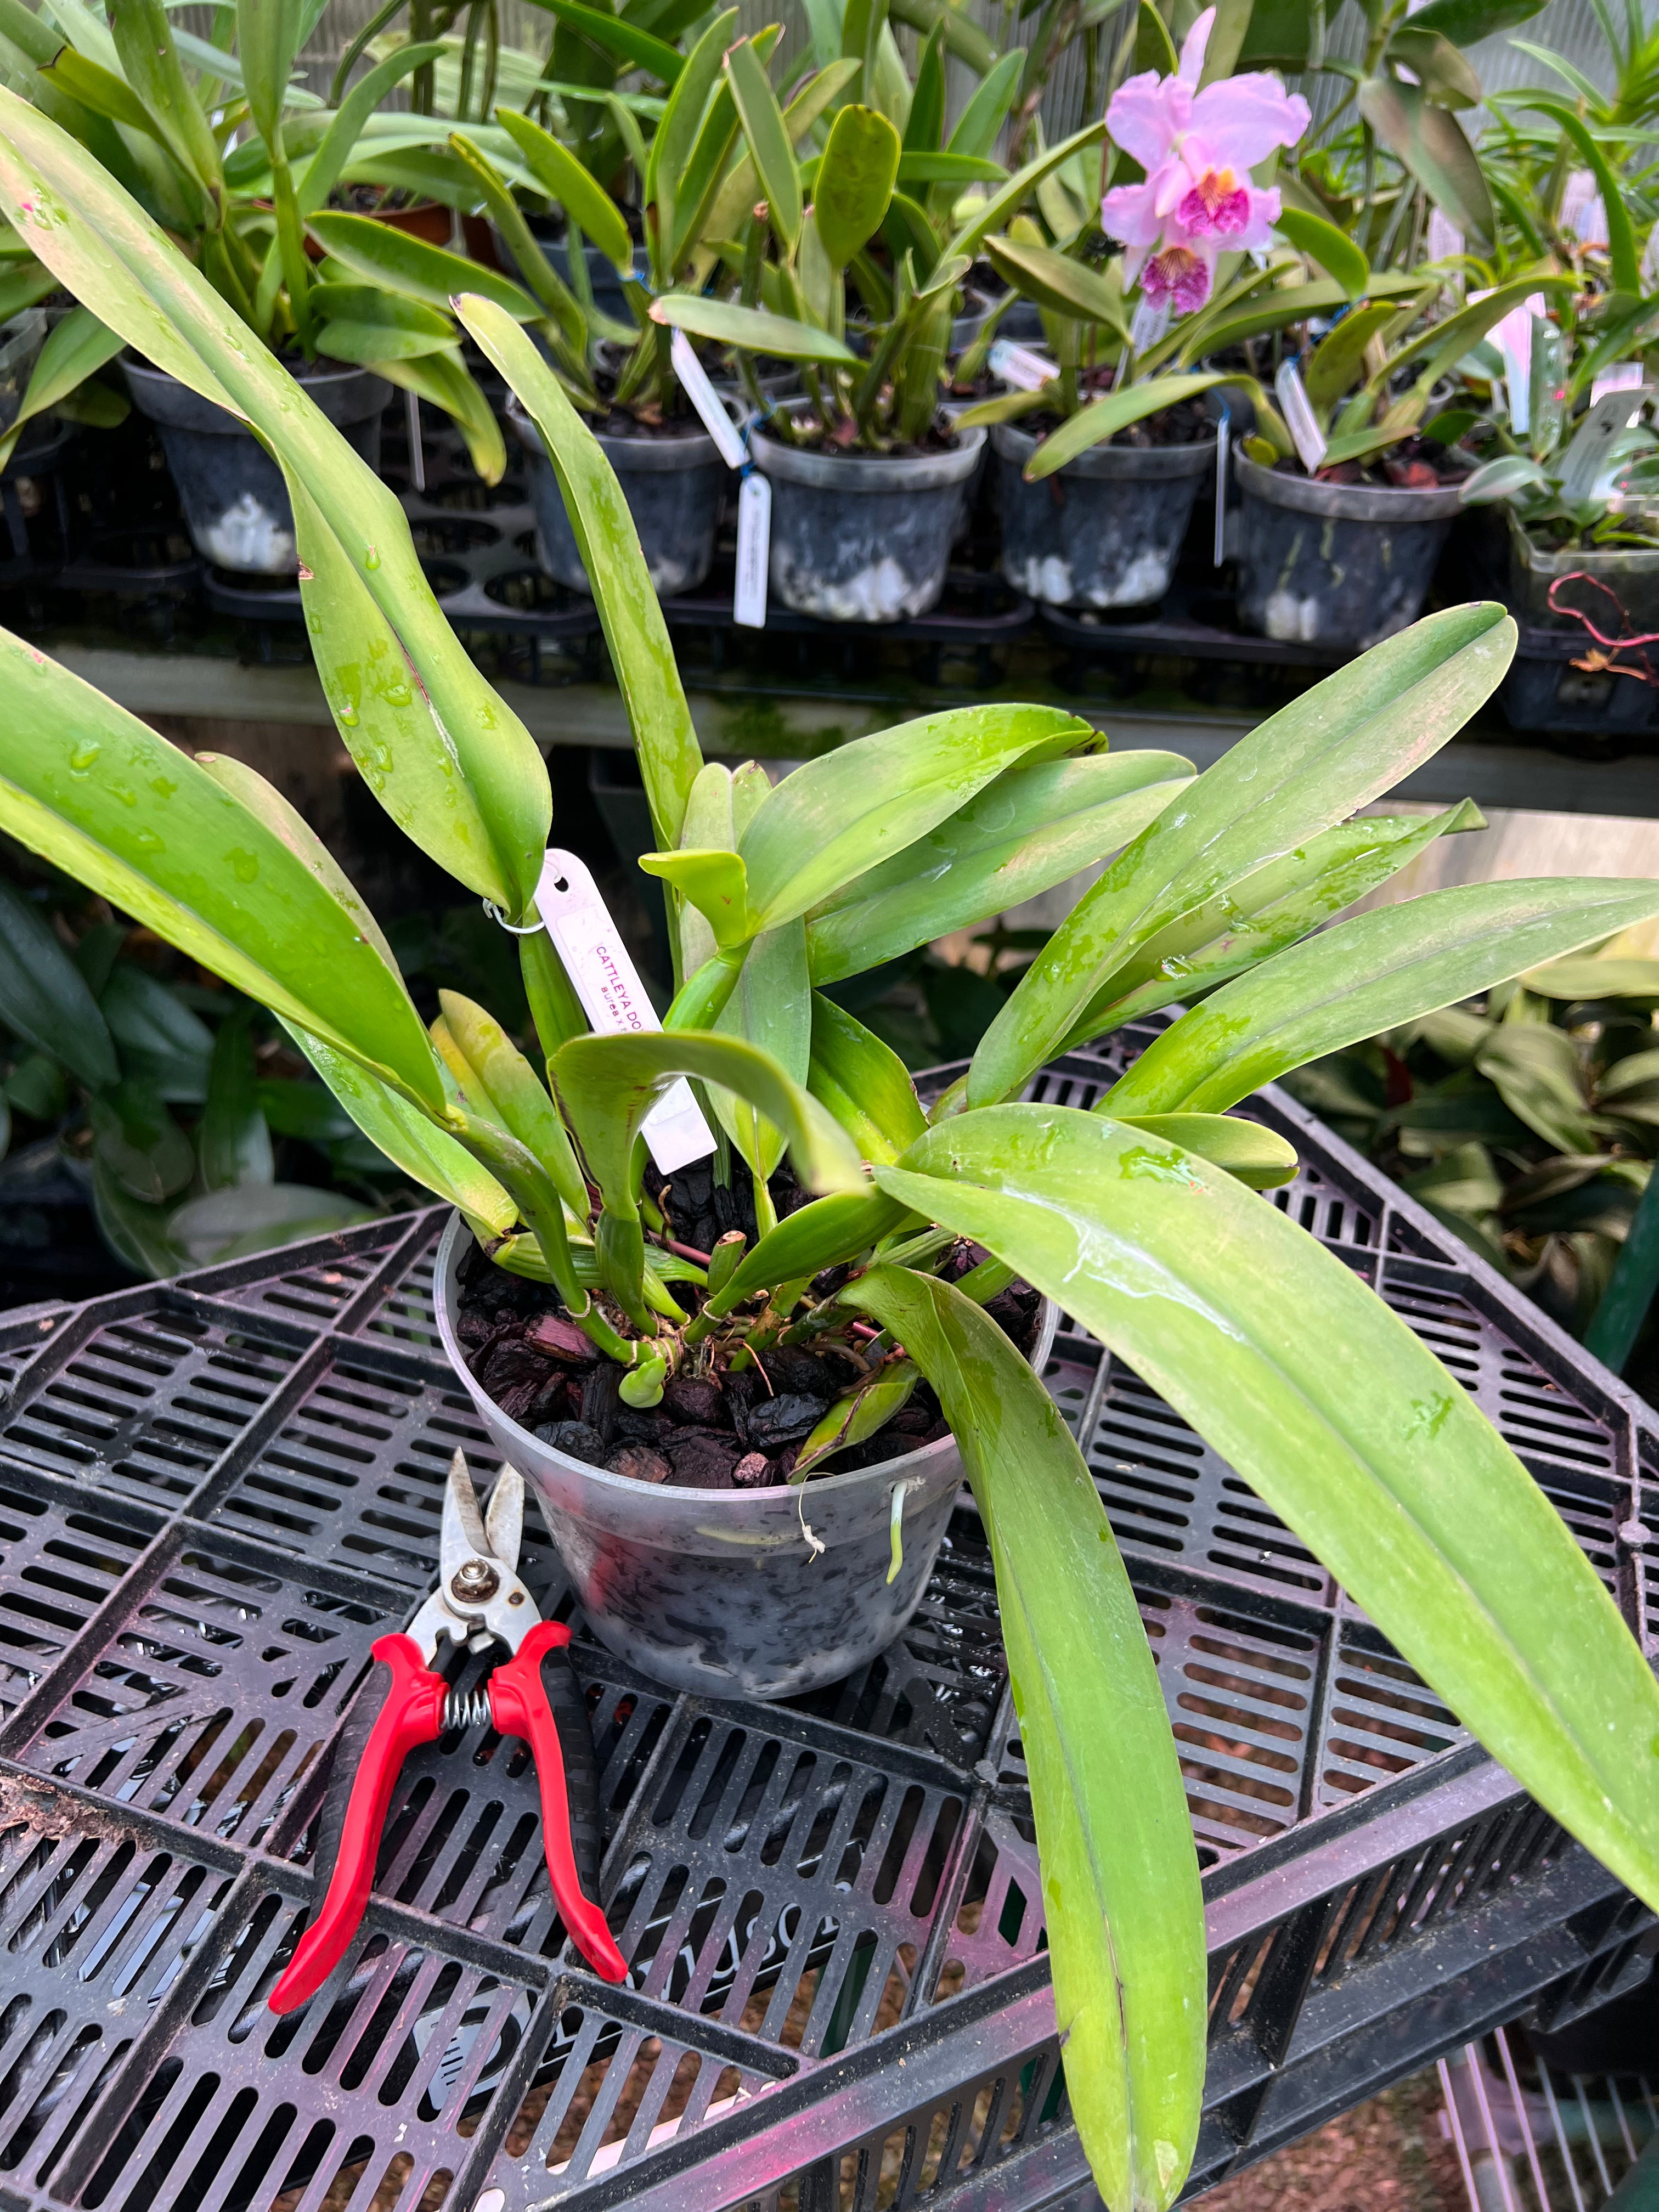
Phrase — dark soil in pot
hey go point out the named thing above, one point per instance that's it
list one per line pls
(711, 1431)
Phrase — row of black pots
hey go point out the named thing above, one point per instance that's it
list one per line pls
(866, 539)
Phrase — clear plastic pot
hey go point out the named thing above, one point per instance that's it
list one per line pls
(1335, 564)
(673, 487)
(1105, 531)
(720, 1591)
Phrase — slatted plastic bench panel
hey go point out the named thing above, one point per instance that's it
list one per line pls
(214, 1496)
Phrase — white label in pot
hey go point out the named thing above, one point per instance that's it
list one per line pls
(613, 998)
(693, 380)
(1020, 366)
(754, 544)
(1299, 417)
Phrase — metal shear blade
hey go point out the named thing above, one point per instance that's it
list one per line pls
(479, 1599)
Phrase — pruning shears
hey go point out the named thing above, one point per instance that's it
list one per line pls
(479, 1602)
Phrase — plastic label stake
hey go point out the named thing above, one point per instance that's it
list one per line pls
(754, 544)
(613, 998)
(1299, 417)
(1020, 366)
(693, 381)
(1623, 376)
(1223, 443)
(1589, 458)
(1149, 321)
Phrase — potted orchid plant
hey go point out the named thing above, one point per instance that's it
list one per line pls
(913, 1266)
(1102, 446)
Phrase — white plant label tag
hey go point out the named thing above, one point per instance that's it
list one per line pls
(693, 381)
(1513, 339)
(1623, 376)
(1299, 417)
(1223, 442)
(613, 998)
(1020, 366)
(1589, 460)
(754, 545)
(1150, 320)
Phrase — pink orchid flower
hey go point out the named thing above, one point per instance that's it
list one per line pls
(1197, 149)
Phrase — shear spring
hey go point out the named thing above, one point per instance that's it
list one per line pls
(467, 1709)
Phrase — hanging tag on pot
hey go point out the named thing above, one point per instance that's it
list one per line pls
(754, 544)
(613, 998)
(1299, 417)
(693, 381)
(1223, 444)
(1023, 367)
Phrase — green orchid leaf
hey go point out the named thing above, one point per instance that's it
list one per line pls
(1338, 362)
(640, 49)
(1057, 282)
(511, 1089)
(1301, 771)
(1120, 1896)
(150, 64)
(769, 143)
(388, 329)
(109, 252)
(232, 1142)
(1595, 978)
(442, 378)
(1343, 1423)
(137, 1142)
(848, 811)
(230, 1225)
(754, 329)
(134, 1229)
(608, 1084)
(677, 137)
(1029, 830)
(566, 326)
(1103, 418)
(863, 1081)
(196, 866)
(1370, 974)
(76, 349)
(715, 882)
(739, 188)
(1000, 206)
(980, 124)
(642, 653)
(1264, 911)
(825, 1234)
(44, 998)
(1333, 249)
(1622, 252)
(160, 1041)
(409, 265)
(568, 184)
(862, 1414)
(1258, 1157)
(1432, 146)
(855, 182)
(324, 166)
(940, 168)
(770, 1007)
(409, 1139)
(1276, 309)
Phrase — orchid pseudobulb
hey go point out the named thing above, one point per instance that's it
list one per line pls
(1197, 149)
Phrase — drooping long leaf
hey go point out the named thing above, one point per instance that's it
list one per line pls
(1000, 206)
(754, 329)
(513, 1089)
(1369, 974)
(75, 348)
(849, 810)
(1264, 912)
(1333, 249)
(640, 49)
(562, 177)
(444, 379)
(1304, 770)
(1030, 828)
(105, 249)
(410, 1141)
(107, 799)
(1054, 281)
(1621, 237)
(44, 998)
(1433, 146)
(641, 652)
(323, 168)
(1121, 1893)
(1105, 417)
(1344, 1424)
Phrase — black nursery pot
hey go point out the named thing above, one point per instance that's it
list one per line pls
(863, 537)
(235, 504)
(1335, 564)
(673, 487)
(1106, 529)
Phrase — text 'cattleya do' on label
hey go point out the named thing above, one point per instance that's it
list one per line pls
(1198, 149)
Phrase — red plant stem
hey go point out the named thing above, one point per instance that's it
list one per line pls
(687, 1251)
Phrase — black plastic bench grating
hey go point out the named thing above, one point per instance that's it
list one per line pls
(215, 1495)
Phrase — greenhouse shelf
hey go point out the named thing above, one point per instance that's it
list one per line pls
(215, 1493)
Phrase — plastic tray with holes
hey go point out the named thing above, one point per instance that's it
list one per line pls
(215, 1493)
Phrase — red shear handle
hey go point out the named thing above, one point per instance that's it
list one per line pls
(400, 1707)
(522, 1702)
